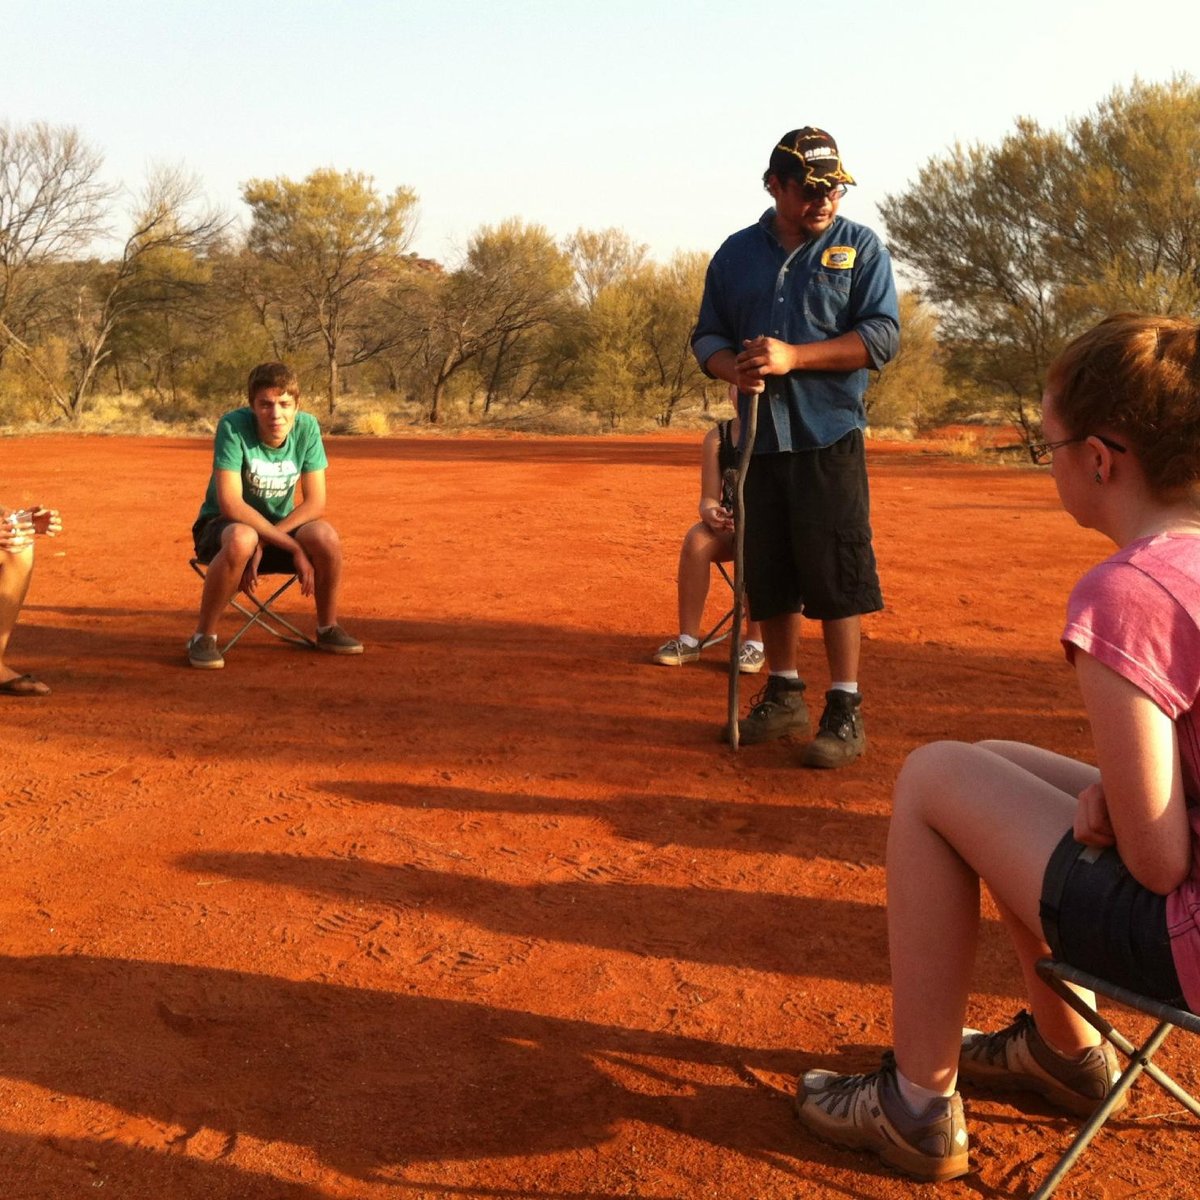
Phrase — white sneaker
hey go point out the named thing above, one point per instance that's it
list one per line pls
(675, 653)
(750, 660)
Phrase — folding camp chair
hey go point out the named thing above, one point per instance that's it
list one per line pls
(1057, 975)
(722, 629)
(262, 614)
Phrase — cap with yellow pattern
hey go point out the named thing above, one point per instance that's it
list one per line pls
(809, 155)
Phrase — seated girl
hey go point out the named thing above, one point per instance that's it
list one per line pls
(707, 542)
(1096, 865)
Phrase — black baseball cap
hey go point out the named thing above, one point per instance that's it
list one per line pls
(810, 156)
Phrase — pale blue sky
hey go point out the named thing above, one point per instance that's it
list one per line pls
(653, 116)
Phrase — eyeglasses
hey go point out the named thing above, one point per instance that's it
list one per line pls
(816, 192)
(1042, 452)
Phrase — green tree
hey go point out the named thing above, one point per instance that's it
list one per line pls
(911, 391)
(519, 283)
(491, 314)
(615, 387)
(326, 250)
(637, 354)
(1023, 244)
(673, 296)
(1129, 194)
(601, 257)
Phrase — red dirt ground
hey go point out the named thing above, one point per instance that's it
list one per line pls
(489, 912)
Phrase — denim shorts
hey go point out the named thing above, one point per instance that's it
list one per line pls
(1098, 918)
(206, 538)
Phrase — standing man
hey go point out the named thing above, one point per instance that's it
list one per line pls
(796, 308)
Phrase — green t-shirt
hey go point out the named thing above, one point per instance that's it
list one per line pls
(269, 473)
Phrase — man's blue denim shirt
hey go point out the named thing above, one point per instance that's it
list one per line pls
(839, 281)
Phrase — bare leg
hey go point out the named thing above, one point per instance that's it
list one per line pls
(1066, 774)
(1071, 776)
(16, 570)
(320, 542)
(701, 548)
(964, 813)
(843, 641)
(723, 555)
(781, 641)
(224, 574)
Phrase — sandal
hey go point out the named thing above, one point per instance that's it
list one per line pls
(23, 685)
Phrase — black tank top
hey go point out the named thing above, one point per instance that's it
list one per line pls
(727, 457)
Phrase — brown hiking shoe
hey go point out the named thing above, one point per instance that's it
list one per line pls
(776, 710)
(841, 735)
(867, 1112)
(1018, 1059)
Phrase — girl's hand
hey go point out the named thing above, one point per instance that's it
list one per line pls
(718, 519)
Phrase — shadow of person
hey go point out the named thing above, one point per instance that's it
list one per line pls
(798, 830)
(762, 931)
(51, 1167)
(371, 1081)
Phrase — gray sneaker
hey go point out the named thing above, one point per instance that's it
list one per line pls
(1017, 1058)
(841, 735)
(336, 640)
(202, 652)
(777, 710)
(750, 660)
(675, 653)
(867, 1112)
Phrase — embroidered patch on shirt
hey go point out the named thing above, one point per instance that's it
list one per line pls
(841, 257)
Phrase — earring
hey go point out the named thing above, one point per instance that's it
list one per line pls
(1098, 479)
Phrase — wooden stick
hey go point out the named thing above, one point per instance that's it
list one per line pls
(739, 573)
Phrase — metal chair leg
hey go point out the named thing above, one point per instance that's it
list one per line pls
(262, 614)
(1096, 1120)
(1058, 976)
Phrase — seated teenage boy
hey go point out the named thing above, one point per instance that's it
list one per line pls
(249, 522)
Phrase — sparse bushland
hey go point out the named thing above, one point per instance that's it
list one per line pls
(1015, 247)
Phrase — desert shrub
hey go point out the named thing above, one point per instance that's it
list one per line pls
(374, 422)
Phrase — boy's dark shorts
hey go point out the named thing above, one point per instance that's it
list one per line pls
(808, 533)
(206, 538)
(1098, 918)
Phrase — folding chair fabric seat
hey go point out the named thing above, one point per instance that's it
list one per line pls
(262, 613)
(1057, 975)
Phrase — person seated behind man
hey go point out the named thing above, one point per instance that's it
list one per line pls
(17, 530)
(249, 522)
(707, 542)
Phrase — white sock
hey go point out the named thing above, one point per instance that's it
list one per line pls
(752, 644)
(690, 642)
(844, 687)
(325, 628)
(787, 674)
(917, 1098)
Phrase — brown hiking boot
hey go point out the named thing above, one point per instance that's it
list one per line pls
(867, 1112)
(1017, 1058)
(776, 710)
(841, 735)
